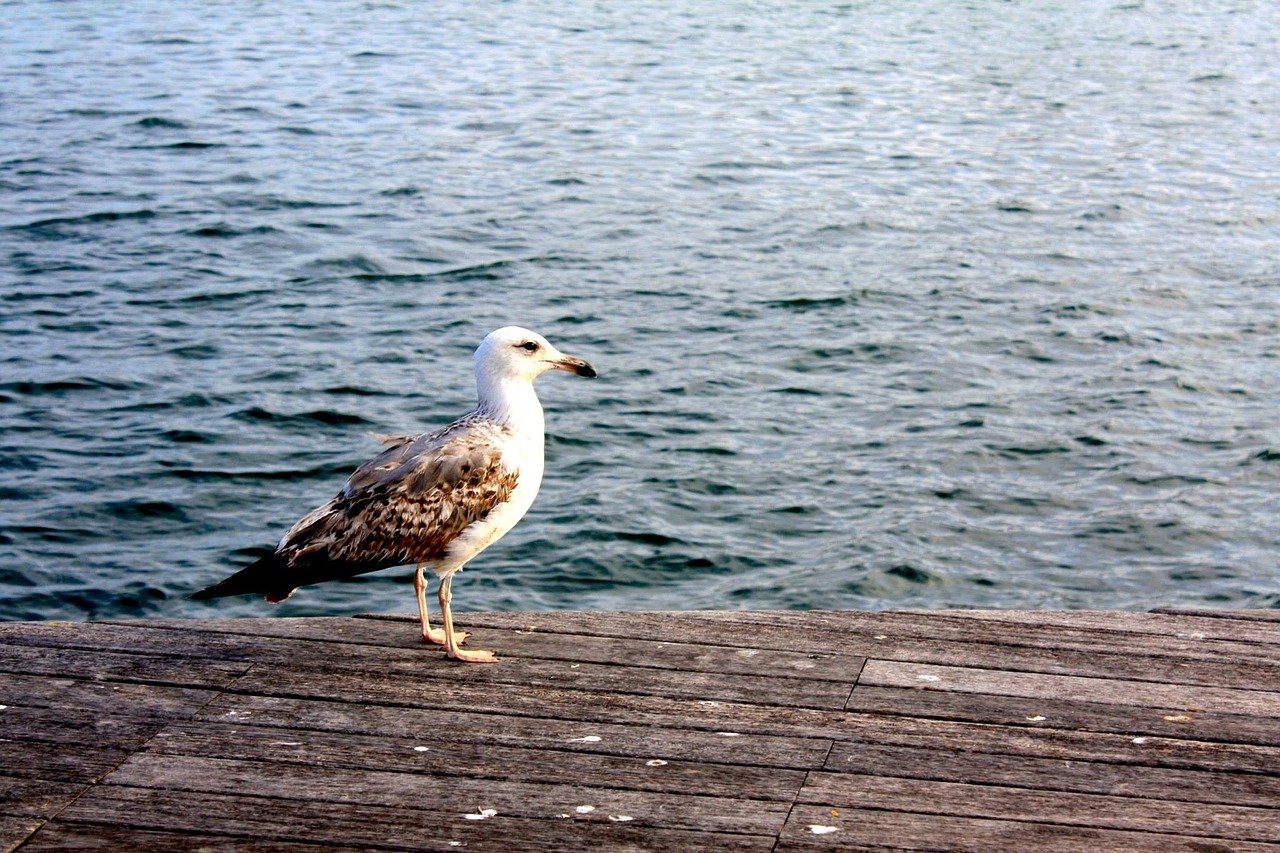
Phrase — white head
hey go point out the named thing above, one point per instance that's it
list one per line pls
(508, 360)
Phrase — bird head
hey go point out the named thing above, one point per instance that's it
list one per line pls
(512, 353)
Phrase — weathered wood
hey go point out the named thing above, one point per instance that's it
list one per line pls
(579, 735)
(411, 825)
(1272, 615)
(436, 752)
(1039, 686)
(420, 662)
(92, 838)
(741, 717)
(821, 828)
(1188, 626)
(814, 732)
(815, 629)
(1139, 655)
(1055, 774)
(659, 731)
(36, 798)
(16, 829)
(529, 642)
(93, 664)
(456, 795)
(1035, 739)
(844, 790)
(1050, 712)
(75, 725)
(59, 761)
(110, 697)
(572, 703)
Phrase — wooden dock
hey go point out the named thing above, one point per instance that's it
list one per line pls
(699, 731)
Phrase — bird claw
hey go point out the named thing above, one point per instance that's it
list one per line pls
(436, 635)
(473, 656)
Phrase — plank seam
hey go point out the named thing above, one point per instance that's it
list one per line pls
(857, 679)
(93, 783)
(795, 799)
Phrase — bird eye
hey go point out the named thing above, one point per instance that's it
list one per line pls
(529, 346)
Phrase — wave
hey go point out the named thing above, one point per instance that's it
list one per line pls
(328, 417)
(87, 219)
(61, 387)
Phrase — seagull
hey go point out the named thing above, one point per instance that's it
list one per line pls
(436, 499)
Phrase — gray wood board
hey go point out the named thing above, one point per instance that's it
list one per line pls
(648, 731)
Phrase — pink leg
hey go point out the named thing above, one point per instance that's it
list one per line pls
(451, 639)
(429, 634)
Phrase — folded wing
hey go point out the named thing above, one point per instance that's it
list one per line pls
(402, 507)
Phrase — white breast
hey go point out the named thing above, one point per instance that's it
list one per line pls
(526, 459)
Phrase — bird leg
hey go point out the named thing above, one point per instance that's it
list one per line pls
(429, 634)
(451, 639)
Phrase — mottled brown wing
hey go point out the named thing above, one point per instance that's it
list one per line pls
(404, 506)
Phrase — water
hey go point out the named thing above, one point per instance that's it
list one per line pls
(912, 304)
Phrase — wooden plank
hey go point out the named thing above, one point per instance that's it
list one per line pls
(896, 635)
(1194, 625)
(454, 794)
(519, 640)
(743, 718)
(414, 824)
(142, 668)
(192, 643)
(1041, 712)
(586, 699)
(113, 697)
(38, 798)
(816, 730)
(892, 636)
(59, 761)
(75, 726)
(435, 752)
(843, 790)
(1228, 665)
(746, 720)
(1142, 694)
(1271, 615)
(818, 828)
(919, 731)
(91, 838)
(642, 741)
(425, 663)
(1040, 739)
(435, 670)
(583, 705)
(915, 637)
(15, 829)
(832, 630)
(1055, 774)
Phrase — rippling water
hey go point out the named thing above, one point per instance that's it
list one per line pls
(921, 304)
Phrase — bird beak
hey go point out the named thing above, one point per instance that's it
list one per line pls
(573, 364)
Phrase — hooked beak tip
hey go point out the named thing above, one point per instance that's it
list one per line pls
(570, 364)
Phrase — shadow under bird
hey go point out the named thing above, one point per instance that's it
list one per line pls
(436, 499)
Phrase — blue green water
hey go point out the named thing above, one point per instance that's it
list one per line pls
(911, 304)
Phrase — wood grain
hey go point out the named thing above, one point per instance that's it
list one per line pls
(964, 731)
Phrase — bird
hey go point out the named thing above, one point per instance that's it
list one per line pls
(434, 499)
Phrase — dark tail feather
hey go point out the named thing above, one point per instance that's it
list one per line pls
(268, 577)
